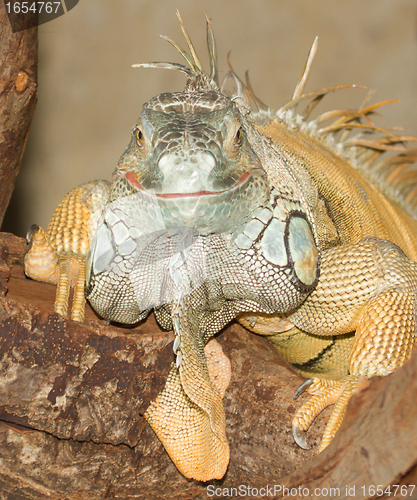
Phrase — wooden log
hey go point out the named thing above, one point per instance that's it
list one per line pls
(18, 73)
(72, 398)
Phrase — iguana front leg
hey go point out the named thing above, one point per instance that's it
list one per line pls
(58, 254)
(368, 288)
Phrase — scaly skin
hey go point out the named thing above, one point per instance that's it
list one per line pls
(218, 212)
(58, 255)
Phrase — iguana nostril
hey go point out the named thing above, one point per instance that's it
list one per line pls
(163, 162)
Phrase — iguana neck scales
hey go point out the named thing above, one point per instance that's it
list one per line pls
(216, 212)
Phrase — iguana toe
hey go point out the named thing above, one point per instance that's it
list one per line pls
(71, 274)
(324, 393)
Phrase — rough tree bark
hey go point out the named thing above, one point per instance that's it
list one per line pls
(18, 70)
(72, 398)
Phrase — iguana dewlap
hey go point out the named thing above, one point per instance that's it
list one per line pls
(218, 212)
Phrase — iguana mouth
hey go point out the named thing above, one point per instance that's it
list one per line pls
(132, 179)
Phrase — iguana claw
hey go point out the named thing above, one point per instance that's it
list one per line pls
(299, 437)
(29, 234)
(177, 342)
(302, 388)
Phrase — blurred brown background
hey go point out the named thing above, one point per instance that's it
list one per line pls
(89, 97)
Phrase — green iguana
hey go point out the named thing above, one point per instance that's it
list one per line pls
(217, 211)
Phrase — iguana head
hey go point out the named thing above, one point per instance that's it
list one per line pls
(190, 151)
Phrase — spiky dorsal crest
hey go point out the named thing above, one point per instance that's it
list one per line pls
(197, 79)
(243, 91)
(395, 175)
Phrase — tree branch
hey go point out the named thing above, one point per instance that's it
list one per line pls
(18, 73)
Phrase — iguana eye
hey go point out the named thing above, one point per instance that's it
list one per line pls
(141, 133)
(139, 137)
(238, 134)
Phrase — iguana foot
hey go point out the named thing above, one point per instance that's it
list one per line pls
(325, 393)
(368, 288)
(67, 269)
